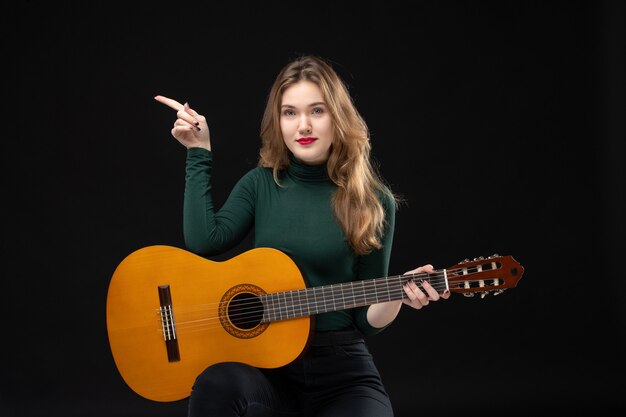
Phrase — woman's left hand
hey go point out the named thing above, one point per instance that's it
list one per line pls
(417, 298)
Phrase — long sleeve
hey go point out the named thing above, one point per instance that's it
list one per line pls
(209, 231)
(376, 265)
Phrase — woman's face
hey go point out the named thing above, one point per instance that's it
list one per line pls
(305, 123)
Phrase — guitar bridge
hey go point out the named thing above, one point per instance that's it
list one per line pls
(168, 325)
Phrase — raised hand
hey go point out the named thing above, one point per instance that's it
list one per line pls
(190, 128)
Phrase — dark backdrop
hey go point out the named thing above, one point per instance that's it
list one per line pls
(501, 123)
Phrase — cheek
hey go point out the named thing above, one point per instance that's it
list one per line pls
(326, 128)
(286, 135)
(286, 129)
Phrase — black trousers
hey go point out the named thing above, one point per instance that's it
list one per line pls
(336, 377)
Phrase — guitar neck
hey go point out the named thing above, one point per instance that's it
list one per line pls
(481, 275)
(315, 300)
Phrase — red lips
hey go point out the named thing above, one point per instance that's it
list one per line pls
(306, 141)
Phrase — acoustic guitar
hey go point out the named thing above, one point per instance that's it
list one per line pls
(171, 313)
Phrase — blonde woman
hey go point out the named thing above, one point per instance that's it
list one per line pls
(316, 197)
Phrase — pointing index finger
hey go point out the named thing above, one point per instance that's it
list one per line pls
(169, 102)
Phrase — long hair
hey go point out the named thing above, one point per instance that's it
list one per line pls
(357, 200)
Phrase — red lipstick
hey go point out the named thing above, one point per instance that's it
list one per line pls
(306, 141)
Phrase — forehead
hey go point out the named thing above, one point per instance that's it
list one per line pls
(302, 93)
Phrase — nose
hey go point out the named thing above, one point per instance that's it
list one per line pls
(305, 125)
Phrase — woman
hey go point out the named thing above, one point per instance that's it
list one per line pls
(316, 197)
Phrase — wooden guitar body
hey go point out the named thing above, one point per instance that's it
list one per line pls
(202, 289)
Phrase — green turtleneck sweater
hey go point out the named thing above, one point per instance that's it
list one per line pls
(295, 217)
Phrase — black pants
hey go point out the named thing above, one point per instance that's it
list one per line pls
(336, 377)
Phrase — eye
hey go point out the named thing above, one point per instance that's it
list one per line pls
(317, 110)
(288, 112)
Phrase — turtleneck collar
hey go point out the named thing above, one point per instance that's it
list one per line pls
(309, 173)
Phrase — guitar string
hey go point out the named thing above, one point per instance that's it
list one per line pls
(209, 323)
(439, 274)
(314, 290)
(255, 315)
(284, 305)
(253, 320)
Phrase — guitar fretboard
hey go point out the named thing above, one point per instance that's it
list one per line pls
(315, 300)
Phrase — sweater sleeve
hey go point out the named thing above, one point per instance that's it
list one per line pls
(208, 231)
(376, 264)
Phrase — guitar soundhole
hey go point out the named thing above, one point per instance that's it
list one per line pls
(245, 311)
(241, 311)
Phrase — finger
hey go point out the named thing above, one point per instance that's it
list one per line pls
(187, 117)
(186, 124)
(169, 102)
(432, 293)
(416, 295)
(424, 268)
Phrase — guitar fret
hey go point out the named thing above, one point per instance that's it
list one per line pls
(315, 300)
(401, 292)
(386, 283)
(276, 306)
(270, 306)
(300, 302)
(283, 304)
(287, 304)
(263, 298)
(293, 305)
(325, 297)
(382, 288)
(268, 302)
(358, 302)
(367, 296)
(273, 309)
(353, 296)
(338, 303)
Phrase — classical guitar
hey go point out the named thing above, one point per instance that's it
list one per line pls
(171, 313)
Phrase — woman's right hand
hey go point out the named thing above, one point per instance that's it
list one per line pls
(190, 128)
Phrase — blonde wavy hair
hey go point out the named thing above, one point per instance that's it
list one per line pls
(357, 201)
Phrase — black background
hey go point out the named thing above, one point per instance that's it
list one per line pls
(501, 124)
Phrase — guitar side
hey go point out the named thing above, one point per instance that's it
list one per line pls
(204, 334)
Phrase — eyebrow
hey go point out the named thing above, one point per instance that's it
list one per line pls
(319, 103)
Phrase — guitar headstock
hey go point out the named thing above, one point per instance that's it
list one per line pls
(482, 275)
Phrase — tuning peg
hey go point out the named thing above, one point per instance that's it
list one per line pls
(480, 258)
(464, 261)
(500, 291)
(495, 255)
(483, 294)
(468, 294)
